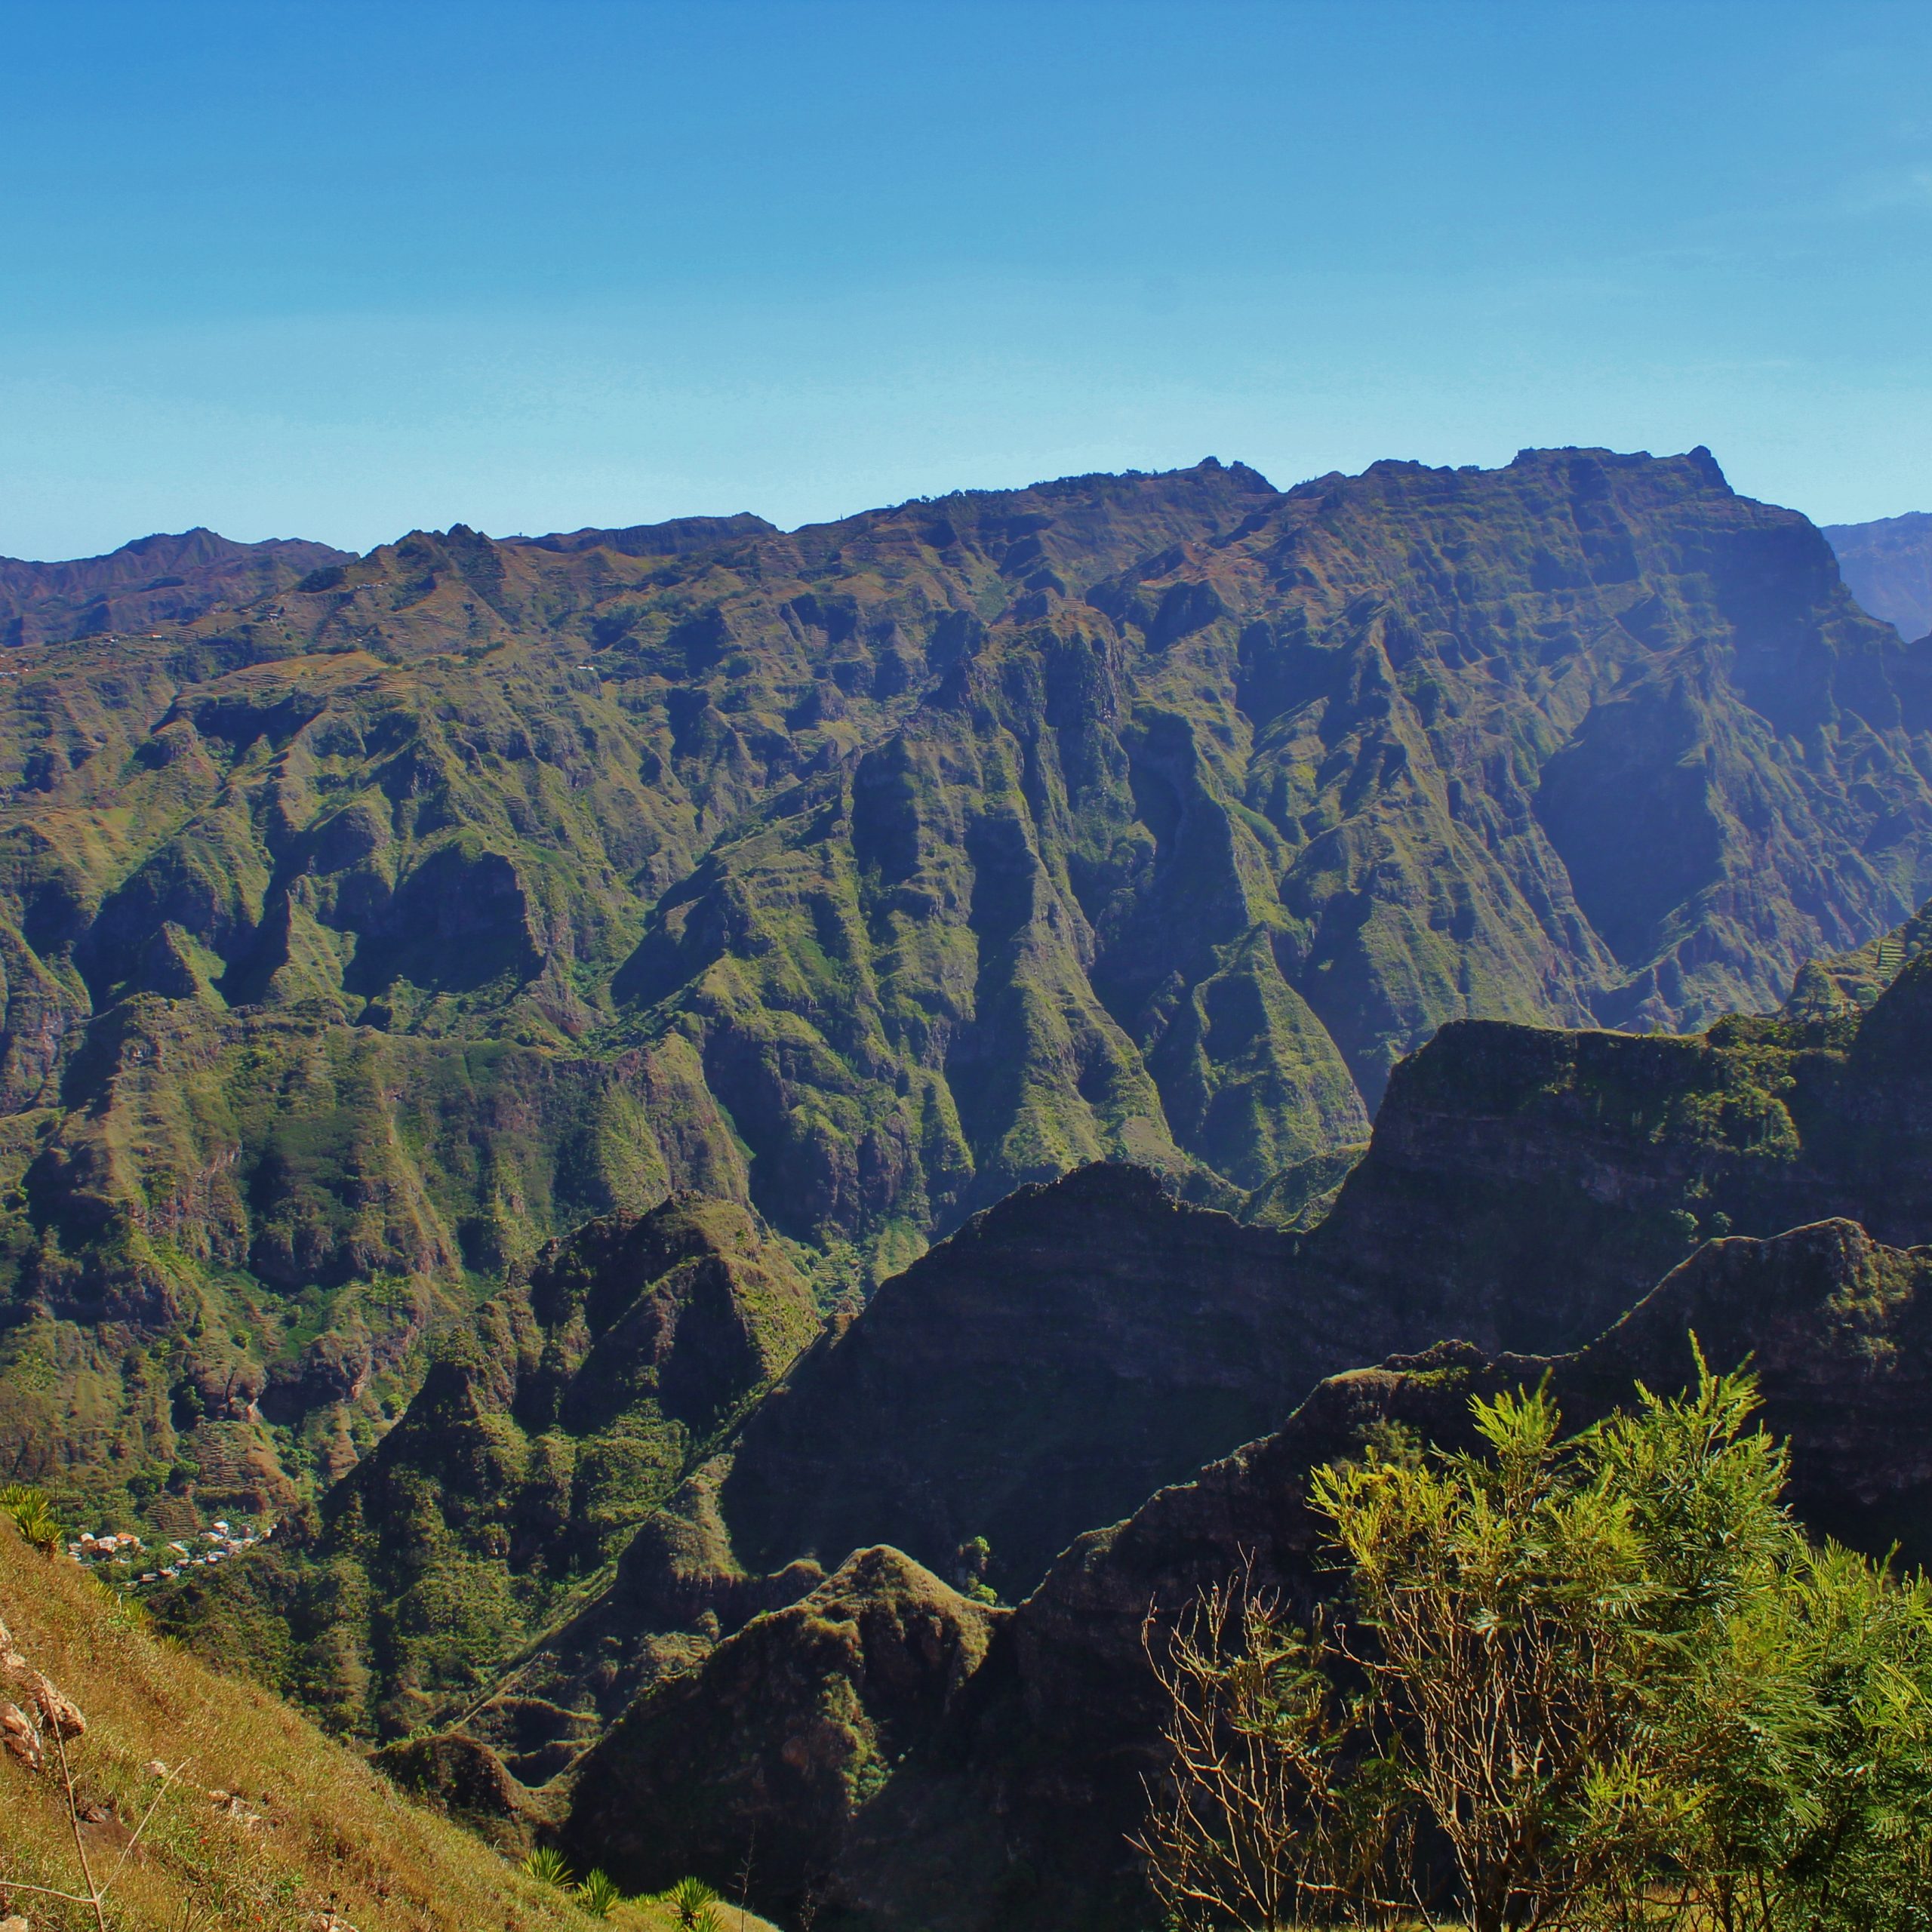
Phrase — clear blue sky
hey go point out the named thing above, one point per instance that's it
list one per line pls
(335, 270)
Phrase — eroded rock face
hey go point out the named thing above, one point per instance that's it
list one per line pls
(765, 1759)
(1015, 1809)
(1080, 1346)
(1524, 1186)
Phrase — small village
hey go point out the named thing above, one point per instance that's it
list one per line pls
(122, 1550)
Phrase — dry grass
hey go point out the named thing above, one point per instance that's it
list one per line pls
(317, 1833)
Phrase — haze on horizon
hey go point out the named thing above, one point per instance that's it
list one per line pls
(335, 272)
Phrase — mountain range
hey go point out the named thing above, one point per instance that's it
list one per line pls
(360, 938)
(751, 1142)
(884, 1636)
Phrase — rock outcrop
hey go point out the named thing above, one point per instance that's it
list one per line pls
(763, 1762)
(1016, 1810)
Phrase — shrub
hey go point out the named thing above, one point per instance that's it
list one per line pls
(693, 1902)
(1603, 1679)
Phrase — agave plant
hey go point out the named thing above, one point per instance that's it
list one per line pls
(33, 1516)
(547, 1867)
(598, 1892)
(693, 1902)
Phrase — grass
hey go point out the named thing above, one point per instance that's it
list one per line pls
(303, 1829)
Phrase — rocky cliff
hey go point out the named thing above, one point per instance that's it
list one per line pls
(1086, 1342)
(1083, 1343)
(1015, 1809)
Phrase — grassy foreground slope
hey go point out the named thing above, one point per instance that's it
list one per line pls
(302, 1827)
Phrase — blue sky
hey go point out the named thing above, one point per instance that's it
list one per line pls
(336, 271)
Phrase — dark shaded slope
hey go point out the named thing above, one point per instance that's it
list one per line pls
(1018, 1812)
(1065, 1354)
(153, 580)
(1061, 1356)
(1887, 567)
(798, 1719)
(1074, 1348)
(1838, 1327)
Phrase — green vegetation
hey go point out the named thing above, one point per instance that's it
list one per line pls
(537, 1443)
(547, 1865)
(597, 1894)
(758, 1767)
(694, 1903)
(33, 1516)
(247, 1816)
(1606, 1675)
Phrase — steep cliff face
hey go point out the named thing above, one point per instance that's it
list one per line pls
(539, 1439)
(1067, 1352)
(1838, 1327)
(1523, 1184)
(1072, 1350)
(867, 872)
(1063, 1355)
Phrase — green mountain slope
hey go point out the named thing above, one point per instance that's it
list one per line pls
(357, 942)
(1081, 1344)
(542, 1435)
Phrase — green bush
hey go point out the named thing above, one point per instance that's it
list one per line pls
(1604, 1673)
(693, 1902)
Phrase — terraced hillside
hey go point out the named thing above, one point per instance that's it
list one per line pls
(356, 943)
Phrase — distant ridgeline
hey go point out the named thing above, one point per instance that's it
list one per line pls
(1887, 567)
(360, 933)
